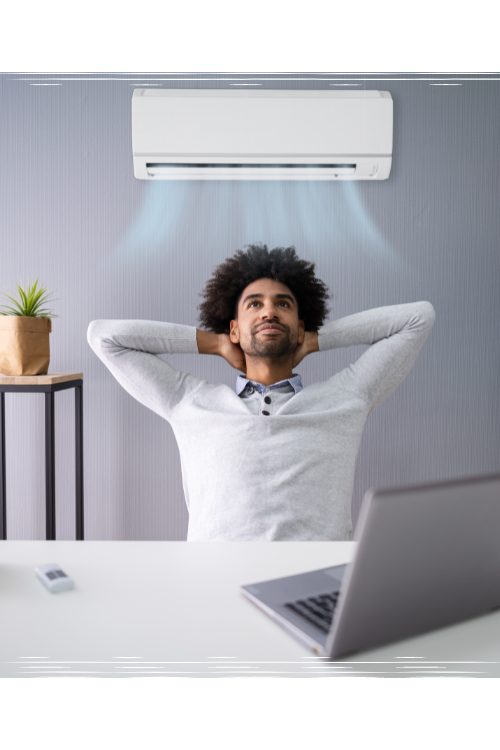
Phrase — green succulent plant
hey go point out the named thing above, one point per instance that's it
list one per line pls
(31, 301)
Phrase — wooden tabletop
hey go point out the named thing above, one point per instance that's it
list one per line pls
(49, 379)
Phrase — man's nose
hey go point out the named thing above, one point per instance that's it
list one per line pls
(268, 310)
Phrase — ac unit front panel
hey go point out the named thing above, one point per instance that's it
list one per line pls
(299, 127)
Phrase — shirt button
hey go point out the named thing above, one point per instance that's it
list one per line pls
(266, 413)
(267, 400)
(250, 389)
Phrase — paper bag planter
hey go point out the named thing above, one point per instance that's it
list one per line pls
(24, 345)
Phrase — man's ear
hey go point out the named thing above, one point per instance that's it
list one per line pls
(302, 332)
(234, 333)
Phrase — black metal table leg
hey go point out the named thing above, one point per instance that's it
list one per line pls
(3, 485)
(79, 460)
(50, 473)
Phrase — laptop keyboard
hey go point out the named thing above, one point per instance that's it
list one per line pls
(318, 610)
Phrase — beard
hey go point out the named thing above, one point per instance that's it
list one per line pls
(272, 347)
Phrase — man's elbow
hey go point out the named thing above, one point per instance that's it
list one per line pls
(94, 334)
(428, 312)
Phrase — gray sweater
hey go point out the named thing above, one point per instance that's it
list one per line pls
(287, 475)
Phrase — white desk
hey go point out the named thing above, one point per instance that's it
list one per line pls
(173, 609)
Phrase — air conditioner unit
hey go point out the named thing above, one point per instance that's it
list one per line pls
(220, 134)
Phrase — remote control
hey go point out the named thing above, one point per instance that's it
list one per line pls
(53, 578)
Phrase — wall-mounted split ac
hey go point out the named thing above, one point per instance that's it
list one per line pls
(220, 134)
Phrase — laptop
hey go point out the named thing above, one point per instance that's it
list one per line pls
(427, 556)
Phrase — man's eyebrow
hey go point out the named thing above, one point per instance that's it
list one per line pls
(278, 296)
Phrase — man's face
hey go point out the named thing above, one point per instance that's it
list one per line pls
(264, 303)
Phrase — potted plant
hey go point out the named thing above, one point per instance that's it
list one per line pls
(24, 333)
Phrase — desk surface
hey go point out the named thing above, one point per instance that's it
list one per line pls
(173, 609)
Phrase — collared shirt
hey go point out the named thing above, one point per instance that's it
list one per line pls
(241, 383)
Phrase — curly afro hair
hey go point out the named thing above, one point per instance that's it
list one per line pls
(223, 291)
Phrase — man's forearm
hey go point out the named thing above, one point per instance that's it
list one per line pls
(371, 326)
(111, 338)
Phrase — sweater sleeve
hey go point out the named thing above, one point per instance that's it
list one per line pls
(128, 348)
(396, 334)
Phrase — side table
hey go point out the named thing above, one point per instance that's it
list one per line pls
(48, 384)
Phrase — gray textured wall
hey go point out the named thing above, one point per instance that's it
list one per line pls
(73, 215)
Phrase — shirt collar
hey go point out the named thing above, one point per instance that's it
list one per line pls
(241, 383)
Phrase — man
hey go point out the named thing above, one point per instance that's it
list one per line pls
(271, 460)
